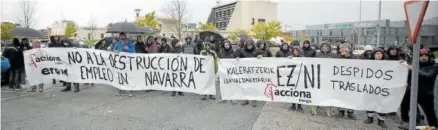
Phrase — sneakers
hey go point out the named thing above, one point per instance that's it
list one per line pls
(382, 124)
(369, 120)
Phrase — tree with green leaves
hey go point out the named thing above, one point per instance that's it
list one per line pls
(148, 20)
(206, 27)
(266, 31)
(235, 34)
(70, 30)
(5, 28)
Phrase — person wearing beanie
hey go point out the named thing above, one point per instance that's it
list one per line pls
(427, 73)
(368, 53)
(378, 54)
(346, 53)
(249, 51)
(208, 51)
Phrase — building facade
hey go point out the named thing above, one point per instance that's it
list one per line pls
(89, 33)
(242, 14)
(366, 32)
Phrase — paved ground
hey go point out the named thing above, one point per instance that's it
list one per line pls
(97, 107)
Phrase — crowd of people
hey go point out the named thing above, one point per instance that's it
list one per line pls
(249, 48)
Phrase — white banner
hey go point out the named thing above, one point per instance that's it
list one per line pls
(126, 71)
(354, 84)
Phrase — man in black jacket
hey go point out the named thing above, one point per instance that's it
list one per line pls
(13, 54)
(427, 73)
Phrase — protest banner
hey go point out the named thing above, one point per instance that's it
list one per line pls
(354, 84)
(126, 71)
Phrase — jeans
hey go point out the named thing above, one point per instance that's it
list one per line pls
(14, 78)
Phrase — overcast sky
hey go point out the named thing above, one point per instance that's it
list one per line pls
(294, 13)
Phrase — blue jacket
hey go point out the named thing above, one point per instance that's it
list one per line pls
(5, 64)
(119, 46)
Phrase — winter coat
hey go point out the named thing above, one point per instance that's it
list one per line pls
(427, 73)
(328, 54)
(300, 54)
(249, 53)
(140, 47)
(120, 46)
(165, 48)
(13, 54)
(178, 49)
(189, 48)
(393, 57)
(153, 47)
(309, 52)
(283, 52)
(265, 51)
(227, 54)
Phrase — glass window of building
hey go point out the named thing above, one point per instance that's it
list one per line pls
(261, 20)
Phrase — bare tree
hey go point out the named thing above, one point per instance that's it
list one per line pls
(177, 11)
(27, 13)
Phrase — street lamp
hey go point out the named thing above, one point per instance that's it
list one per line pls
(137, 12)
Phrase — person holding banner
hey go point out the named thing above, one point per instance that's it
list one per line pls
(227, 53)
(284, 51)
(325, 52)
(249, 51)
(346, 53)
(427, 72)
(36, 44)
(176, 48)
(379, 54)
(209, 52)
(262, 47)
(140, 46)
(296, 52)
(124, 45)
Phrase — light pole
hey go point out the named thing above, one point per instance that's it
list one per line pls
(137, 13)
(360, 22)
(378, 26)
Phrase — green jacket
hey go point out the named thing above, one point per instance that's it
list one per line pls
(211, 53)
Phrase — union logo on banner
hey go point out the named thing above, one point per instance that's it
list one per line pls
(269, 90)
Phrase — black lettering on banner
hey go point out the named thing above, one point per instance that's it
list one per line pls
(245, 80)
(101, 61)
(293, 93)
(198, 64)
(175, 79)
(289, 76)
(96, 73)
(388, 75)
(355, 87)
(89, 58)
(74, 57)
(242, 70)
(139, 60)
(363, 72)
(123, 78)
(54, 71)
(311, 77)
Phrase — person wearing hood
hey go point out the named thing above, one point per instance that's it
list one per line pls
(346, 53)
(284, 51)
(308, 50)
(427, 73)
(139, 44)
(215, 43)
(227, 52)
(325, 51)
(368, 53)
(164, 47)
(296, 43)
(262, 47)
(12, 53)
(176, 48)
(207, 51)
(152, 46)
(378, 54)
(296, 52)
(249, 51)
(189, 47)
(241, 45)
(393, 53)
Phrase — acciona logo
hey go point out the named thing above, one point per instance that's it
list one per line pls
(34, 60)
(272, 91)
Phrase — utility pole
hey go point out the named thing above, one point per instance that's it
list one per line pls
(378, 26)
(360, 22)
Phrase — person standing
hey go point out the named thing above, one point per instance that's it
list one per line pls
(346, 53)
(164, 47)
(262, 47)
(189, 47)
(368, 53)
(227, 53)
(33, 88)
(249, 51)
(12, 53)
(427, 74)
(284, 51)
(152, 46)
(296, 52)
(379, 54)
(308, 50)
(68, 44)
(176, 48)
(124, 45)
(140, 46)
(207, 51)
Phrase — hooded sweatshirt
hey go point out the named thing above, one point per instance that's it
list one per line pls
(283, 52)
(297, 48)
(249, 52)
(328, 54)
(266, 52)
(393, 57)
(227, 53)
